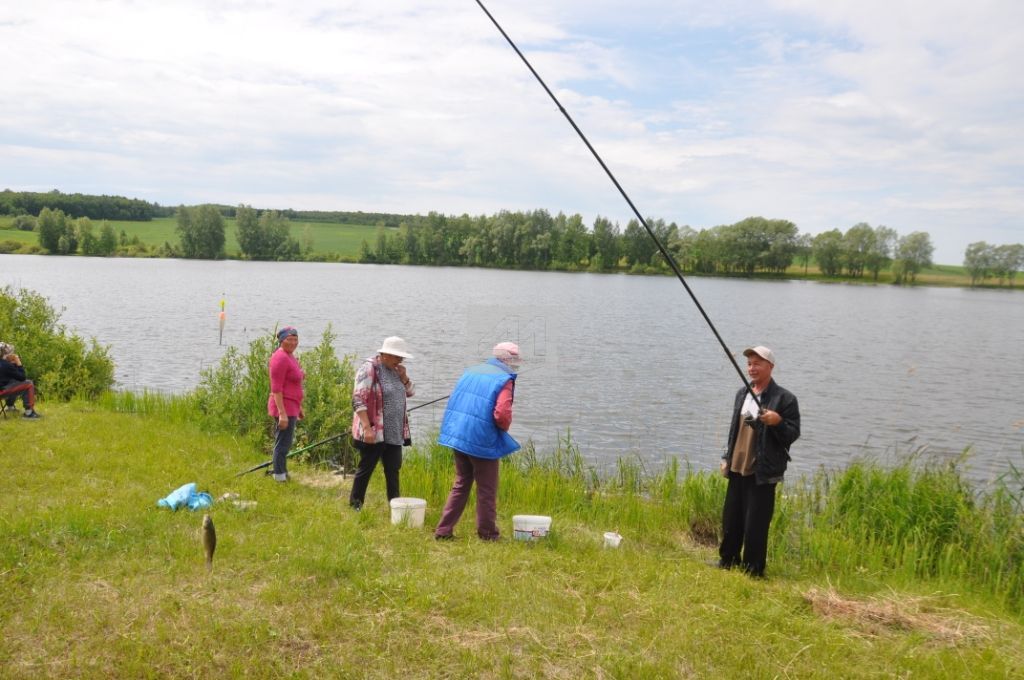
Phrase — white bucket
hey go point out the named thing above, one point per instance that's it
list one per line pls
(612, 539)
(408, 511)
(530, 527)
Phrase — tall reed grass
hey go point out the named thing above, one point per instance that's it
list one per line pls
(914, 521)
(917, 520)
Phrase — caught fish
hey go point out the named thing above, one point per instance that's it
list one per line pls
(209, 540)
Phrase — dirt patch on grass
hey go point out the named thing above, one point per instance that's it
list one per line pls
(878, 616)
(704, 532)
(323, 480)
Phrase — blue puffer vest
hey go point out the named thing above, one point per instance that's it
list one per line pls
(468, 424)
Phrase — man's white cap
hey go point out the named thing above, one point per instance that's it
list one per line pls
(762, 352)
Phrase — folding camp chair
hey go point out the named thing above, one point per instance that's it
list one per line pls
(3, 399)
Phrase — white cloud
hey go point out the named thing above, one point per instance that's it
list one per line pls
(900, 113)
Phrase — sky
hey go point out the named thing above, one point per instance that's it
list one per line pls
(903, 113)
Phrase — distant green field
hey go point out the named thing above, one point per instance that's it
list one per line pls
(344, 240)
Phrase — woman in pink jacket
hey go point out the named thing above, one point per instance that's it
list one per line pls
(285, 403)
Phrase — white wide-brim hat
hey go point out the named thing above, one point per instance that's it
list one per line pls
(396, 346)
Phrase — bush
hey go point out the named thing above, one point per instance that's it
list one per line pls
(24, 223)
(61, 364)
(233, 395)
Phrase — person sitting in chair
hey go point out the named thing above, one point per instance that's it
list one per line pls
(13, 382)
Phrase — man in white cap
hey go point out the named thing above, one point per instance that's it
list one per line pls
(475, 426)
(755, 459)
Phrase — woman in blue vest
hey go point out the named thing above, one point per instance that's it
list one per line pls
(475, 426)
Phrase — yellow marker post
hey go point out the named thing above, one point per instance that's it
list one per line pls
(221, 318)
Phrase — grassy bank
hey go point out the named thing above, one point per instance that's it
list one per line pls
(95, 580)
(328, 240)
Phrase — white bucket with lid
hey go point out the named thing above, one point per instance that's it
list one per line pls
(530, 527)
(408, 511)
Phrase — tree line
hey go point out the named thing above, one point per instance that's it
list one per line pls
(536, 240)
(983, 261)
(80, 205)
(63, 235)
(29, 203)
(261, 235)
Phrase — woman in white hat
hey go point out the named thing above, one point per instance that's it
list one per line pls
(380, 423)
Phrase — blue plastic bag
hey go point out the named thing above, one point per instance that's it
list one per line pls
(200, 500)
(187, 496)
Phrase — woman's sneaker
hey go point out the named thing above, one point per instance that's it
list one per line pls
(31, 413)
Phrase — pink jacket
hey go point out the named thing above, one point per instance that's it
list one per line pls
(286, 377)
(503, 407)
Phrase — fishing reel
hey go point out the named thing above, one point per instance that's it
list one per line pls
(752, 420)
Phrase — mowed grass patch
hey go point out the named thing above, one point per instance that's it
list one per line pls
(99, 581)
(329, 240)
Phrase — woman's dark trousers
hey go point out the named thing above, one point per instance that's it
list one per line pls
(390, 456)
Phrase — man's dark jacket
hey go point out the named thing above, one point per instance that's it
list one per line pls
(10, 373)
(771, 444)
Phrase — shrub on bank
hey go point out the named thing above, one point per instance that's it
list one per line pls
(61, 364)
(232, 395)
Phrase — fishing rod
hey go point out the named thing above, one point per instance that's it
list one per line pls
(331, 439)
(650, 232)
(292, 453)
(449, 394)
(325, 441)
(428, 403)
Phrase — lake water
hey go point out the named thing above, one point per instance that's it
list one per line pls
(625, 362)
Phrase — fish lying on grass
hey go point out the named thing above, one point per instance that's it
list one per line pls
(209, 540)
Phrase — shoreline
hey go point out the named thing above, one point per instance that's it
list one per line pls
(933, 277)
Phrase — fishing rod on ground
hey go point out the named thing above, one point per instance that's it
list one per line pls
(650, 232)
(331, 439)
(293, 453)
(325, 441)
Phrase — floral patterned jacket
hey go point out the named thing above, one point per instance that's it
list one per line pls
(367, 395)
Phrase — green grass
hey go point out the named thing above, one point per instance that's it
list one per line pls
(96, 581)
(340, 240)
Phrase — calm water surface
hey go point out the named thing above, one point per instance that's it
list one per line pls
(624, 362)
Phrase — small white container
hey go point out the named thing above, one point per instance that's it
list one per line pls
(408, 511)
(530, 527)
(612, 539)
